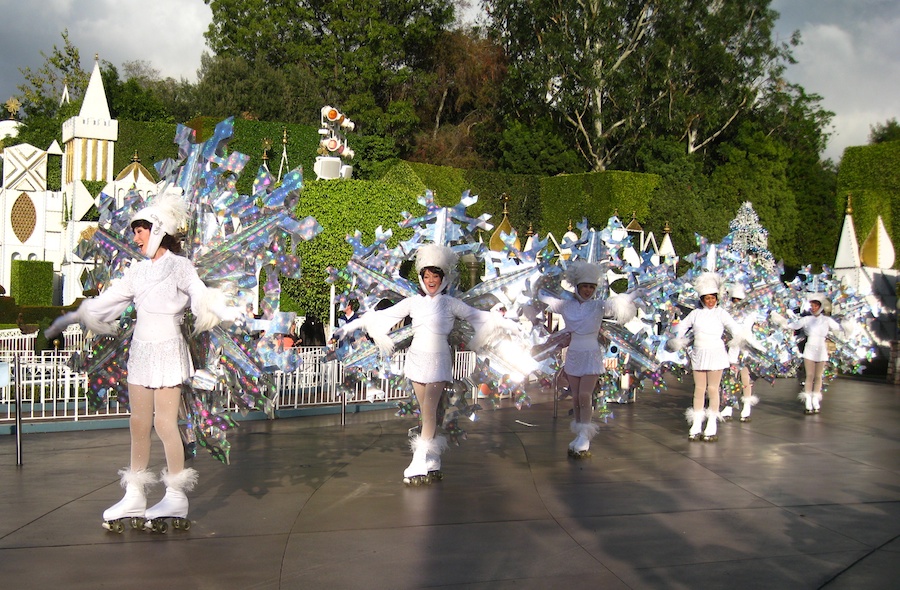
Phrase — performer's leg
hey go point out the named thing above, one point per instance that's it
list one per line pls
(748, 400)
(817, 386)
(139, 424)
(700, 386)
(697, 411)
(429, 396)
(178, 480)
(584, 429)
(574, 389)
(425, 446)
(810, 367)
(713, 379)
(135, 479)
(167, 401)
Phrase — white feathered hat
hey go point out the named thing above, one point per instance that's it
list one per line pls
(580, 272)
(737, 291)
(822, 299)
(442, 257)
(166, 213)
(708, 283)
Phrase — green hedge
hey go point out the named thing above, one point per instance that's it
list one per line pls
(595, 196)
(871, 174)
(31, 282)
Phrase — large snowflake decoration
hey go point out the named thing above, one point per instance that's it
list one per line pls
(852, 345)
(231, 238)
(372, 275)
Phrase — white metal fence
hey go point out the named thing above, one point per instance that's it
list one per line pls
(49, 391)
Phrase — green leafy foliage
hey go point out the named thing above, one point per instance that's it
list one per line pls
(871, 175)
(31, 282)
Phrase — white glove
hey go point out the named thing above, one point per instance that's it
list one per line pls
(778, 319)
(675, 344)
(338, 334)
(61, 323)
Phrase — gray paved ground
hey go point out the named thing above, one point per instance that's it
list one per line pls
(785, 501)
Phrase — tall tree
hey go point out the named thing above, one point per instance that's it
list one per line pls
(42, 91)
(615, 72)
(887, 131)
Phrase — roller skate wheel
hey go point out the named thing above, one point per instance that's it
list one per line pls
(694, 437)
(137, 522)
(745, 418)
(159, 525)
(436, 475)
(712, 438)
(115, 526)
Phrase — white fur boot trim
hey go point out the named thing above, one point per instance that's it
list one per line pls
(174, 503)
(419, 464)
(134, 502)
(806, 398)
(695, 419)
(585, 432)
(816, 401)
(746, 404)
(712, 419)
(433, 456)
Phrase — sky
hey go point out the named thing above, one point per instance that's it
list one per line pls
(850, 52)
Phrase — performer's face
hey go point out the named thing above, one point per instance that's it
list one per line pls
(815, 306)
(141, 237)
(586, 290)
(709, 300)
(432, 281)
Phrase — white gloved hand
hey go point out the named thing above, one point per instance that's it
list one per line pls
(778, 319)
(675, 344)
(61, 323)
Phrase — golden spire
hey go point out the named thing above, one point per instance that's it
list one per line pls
(849, 210)
(496, 242)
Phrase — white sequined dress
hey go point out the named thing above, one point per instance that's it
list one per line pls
(708, 352)
(161, 291)
(429, 358)
(583, 319)
(816, 328)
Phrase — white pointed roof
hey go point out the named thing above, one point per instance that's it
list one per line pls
(848, 249)
(95, 105)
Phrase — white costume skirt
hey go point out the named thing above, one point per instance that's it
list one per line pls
(428, 367)
(159, 364)
(583, 362)
(815, 353)
(709, 359)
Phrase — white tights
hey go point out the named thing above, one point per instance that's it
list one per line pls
(164, 403)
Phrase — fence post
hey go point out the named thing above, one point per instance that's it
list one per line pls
(16, 368)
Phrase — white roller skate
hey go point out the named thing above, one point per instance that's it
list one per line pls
(816, 402)
(727, 413)
(174, 504)
(433, 458)
(580, 447)
(710, 433)
(416, 474)
(747, 404)
(806, 398)
(695, 419)
(133, 505)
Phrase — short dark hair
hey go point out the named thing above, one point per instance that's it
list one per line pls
(170, 243)
(435, 269)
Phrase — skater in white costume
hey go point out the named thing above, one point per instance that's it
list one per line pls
(585, 361)
(745, 318)
(161, 287)
(429, 359)
(708, 355)
(817, 326)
